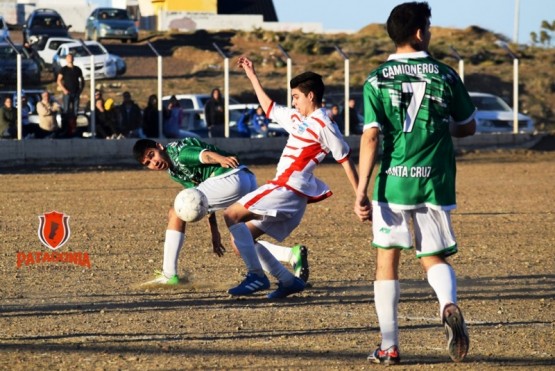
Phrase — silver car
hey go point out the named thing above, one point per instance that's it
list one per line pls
(111, 23)
(493, 115)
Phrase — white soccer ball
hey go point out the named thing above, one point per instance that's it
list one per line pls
(191, 205)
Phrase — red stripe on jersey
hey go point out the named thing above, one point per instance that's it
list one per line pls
(307, 154)
(296, 117)
(311, 200)
(272, 103)
(322, 123)
(258, 198)
(311, 132)
(303, 139)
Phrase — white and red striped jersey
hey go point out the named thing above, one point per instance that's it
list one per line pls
(310, 140)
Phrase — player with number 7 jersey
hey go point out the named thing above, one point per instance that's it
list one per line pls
(411, 98)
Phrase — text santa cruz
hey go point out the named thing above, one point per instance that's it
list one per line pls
(413, 172)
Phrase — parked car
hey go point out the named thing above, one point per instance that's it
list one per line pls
(111, 23)
(4, 32)
(50, 47)
(43, 24)
(193, 101)
(493, 115)
(30, 68)
(105, 63)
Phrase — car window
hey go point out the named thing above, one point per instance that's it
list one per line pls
(1, 23)
(490, 104)
(186, 103)
(54, 45)
(96, 50)
(50, 21)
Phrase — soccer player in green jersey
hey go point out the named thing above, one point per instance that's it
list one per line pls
(418, 104)
(219, 175)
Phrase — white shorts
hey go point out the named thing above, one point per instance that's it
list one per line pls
(433, 232)
(223, 191)
(281, 209)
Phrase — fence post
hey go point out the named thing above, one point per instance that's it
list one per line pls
(226, 87)
(18, 88)
(346, 109)
(159, 92)
(92, 88)
(289, 77)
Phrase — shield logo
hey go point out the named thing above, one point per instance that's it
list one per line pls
(53, 229)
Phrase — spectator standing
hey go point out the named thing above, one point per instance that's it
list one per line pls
(150, 117)
(8, 119)
(214, 114)
(353, 117)
(48, 113)
(173, 120)
(71, 82)
(130, 118)
(336, 117)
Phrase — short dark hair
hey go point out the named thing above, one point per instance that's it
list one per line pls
(309, 82)
(140, 148)
(407, 18)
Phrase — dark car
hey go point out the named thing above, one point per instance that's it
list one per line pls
(30, 68)
(42, 24)
(111, 23)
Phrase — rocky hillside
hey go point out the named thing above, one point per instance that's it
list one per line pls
(191, 63)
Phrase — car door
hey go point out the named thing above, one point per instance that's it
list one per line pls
(89, 27)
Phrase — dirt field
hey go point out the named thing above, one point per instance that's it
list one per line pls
(63, 316)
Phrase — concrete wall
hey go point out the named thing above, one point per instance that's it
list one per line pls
(37, 153)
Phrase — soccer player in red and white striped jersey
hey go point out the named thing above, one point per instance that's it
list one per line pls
(277, 207)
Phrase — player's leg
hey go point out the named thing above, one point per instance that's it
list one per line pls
(391, 233)
(434, 241)
(297, 256)
(175, 237)
(255, 280)
(287, 210)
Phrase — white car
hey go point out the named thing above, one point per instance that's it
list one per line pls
(104, 64)
(51, 47)
(493, 115)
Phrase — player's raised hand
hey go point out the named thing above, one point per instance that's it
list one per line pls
(246, 64)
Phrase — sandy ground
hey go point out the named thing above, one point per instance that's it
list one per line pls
(63, 316)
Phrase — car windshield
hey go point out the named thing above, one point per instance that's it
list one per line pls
(79, 51)
(6, 53)
(47, 21)
(114, 14)
(490, 104)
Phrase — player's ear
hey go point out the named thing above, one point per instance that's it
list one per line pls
(160, 146)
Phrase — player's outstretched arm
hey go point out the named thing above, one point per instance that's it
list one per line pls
(367, 160)
(247, 65)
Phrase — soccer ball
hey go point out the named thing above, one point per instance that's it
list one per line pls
(191, 205)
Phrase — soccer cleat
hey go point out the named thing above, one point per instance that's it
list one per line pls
(455, 330)
(251, 284)
(300, 262)
(161, 279)
(390, 356)
(283, 291)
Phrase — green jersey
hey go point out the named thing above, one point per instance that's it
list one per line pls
(412, 98)
(187, 168)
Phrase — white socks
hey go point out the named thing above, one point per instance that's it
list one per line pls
(245, 244)
(172, 247)
(442, 279)
(273, 266)
(386, 300)
(281, 253)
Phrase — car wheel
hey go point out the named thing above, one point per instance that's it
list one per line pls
(134, 40)
(124, 40)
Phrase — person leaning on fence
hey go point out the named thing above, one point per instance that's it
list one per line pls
(8, 119)
(48, 113)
